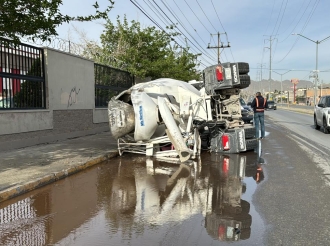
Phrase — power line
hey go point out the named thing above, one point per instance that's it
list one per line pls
(187, 21)
(218, 16)
(302, 30)
(277, 18)
(219, 46)
(206, 15)
(197, 17)
(181, 31)
(295, 16)
(159, 26)
(178, 19)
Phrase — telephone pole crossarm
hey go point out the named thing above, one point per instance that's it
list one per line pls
(219, 46)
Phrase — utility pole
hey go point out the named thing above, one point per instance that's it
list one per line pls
(316, 76)
(270, 59)
(220, 45)
(261, 65)
(321, 87)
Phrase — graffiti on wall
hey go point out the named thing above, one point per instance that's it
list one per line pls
(73, 96)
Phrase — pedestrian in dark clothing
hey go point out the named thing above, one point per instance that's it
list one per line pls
(259, 104)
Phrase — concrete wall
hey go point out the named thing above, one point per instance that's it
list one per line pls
(70, 104)
(70, 81)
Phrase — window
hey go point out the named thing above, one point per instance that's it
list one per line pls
(328, 102)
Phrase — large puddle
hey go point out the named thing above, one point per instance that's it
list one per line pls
(133, 200)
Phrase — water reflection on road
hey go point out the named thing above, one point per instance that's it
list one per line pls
(133, 200)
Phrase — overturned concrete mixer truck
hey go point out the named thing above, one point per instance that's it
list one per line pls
(176, 120)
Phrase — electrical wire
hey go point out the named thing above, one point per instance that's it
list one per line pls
(218, 16)
(188, 21)
(277, 18)
(270, 17)
(153, 21)
(295, 16)
(197, 17)
(180, 30)
(206, 15)
(302, 30)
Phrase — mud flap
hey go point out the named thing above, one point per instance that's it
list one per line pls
(236, 142)
(251, 144)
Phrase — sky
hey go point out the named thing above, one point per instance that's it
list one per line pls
(252, 27)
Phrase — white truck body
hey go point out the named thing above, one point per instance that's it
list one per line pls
(173, 113)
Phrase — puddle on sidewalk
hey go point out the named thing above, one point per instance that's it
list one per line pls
(133, 200)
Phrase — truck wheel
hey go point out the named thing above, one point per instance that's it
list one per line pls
(245, 206)
(245, 81)
(325, 127)
(316, 126)
(243, 68)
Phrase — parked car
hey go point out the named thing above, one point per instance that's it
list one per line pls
(247, 112)
(271, 105)
(322, 114)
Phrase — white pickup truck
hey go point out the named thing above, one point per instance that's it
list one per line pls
(322, 114)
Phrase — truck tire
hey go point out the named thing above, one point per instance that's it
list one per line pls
(243, 68)
(245, 206)
(250, 132)
(251, 144)
(245, 81)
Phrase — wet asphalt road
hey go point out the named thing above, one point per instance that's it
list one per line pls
(294, 200)
(134, 201)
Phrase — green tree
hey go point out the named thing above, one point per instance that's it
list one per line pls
(31, 92)
(38, 18)
(144, 52)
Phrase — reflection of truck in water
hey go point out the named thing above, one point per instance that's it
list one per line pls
(229, 219)
(158, 192)
(174, 113)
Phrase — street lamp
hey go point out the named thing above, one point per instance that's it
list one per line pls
(316, 71)
(282, 81)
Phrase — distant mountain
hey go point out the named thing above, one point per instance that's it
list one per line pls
(276, 85)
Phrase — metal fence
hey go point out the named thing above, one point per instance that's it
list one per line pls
(22, 76)
(109, 82)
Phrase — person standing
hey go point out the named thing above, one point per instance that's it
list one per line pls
(259, 104)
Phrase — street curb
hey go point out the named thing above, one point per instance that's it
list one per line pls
(48, 179)
(303, 111)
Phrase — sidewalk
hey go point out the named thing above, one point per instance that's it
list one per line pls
(26, 169)
(299, 110)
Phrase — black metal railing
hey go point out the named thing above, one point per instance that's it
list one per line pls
(22, 76)
(109, 82)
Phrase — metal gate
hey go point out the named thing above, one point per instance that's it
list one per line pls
(22, 76)
(109, 82)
